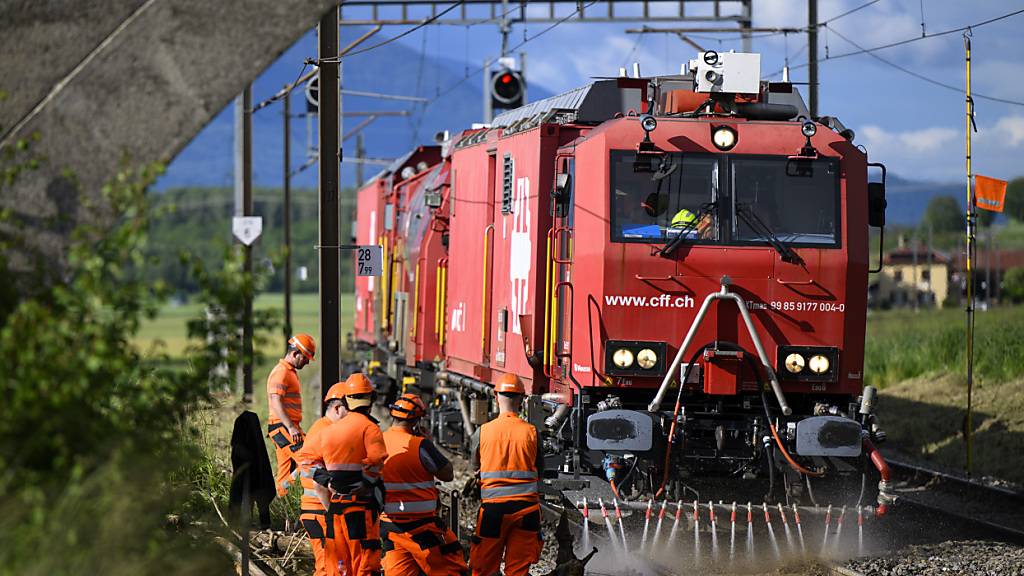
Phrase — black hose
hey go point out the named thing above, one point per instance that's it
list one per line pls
(769, 453)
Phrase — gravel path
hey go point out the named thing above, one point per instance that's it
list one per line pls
(975, 558)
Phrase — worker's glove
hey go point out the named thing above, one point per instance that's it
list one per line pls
(296, 433)
(471, 489)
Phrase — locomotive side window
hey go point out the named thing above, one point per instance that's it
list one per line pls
(800, 207)
(678, 198)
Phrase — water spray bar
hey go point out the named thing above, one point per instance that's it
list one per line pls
(648, 507)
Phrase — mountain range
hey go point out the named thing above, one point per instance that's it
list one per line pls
(397, 69)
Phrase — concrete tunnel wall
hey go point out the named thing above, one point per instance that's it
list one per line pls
(114, 83)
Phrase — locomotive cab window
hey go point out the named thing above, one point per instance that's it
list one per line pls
(797, 201)
(677, 197)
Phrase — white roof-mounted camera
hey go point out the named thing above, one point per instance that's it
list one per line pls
(726, 73)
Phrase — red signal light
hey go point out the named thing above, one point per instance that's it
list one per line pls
(506, 78)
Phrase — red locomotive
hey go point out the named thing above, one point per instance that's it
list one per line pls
(611, 242)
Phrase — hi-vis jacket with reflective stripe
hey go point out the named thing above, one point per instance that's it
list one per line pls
(284, 381)
(410, 487)
(351, 451)
(310, 501)
(508, 460)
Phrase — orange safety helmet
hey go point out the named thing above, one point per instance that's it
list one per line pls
(510, 384)
(304, 343)
(357, 384)
(335, 392)
(408, 407)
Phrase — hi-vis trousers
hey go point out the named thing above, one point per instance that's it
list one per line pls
(509, 530)
(356, 538)
(321, 540)
(421, 546)
(284, 450)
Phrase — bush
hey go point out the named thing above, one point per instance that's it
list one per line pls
(96, 447)
(1013, 284)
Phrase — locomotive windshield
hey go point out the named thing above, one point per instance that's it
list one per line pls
(794, 202)
(796, 199)
(677, 198)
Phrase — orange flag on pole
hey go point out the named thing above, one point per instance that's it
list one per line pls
(989, 193)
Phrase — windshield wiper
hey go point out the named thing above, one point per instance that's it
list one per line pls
(764, 231)
(676, 242)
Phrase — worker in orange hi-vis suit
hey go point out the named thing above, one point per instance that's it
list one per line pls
(315, 498)
(415, 540)
(509, 464)
(348, 458)
(284, 394)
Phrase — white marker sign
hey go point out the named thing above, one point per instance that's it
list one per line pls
(369, 260)
(247, 228)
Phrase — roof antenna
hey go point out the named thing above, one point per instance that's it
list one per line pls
(636, 69)
(785, 73)
(622, 72)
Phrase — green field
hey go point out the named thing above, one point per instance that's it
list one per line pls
(168, 330)
(919, 361)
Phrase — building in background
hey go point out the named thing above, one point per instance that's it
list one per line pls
(911, 277)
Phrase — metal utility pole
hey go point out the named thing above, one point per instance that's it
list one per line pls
(330, 236)
(287, 218)
(506, 27)
(361, 155)
(969, 108)
(522, 72)
(243, 207)
(488, 111)
(812, 57)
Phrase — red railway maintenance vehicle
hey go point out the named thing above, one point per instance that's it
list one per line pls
(676, 267)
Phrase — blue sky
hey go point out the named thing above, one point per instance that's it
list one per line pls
(916, 128)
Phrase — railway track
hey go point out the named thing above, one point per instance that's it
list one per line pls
(995, 511)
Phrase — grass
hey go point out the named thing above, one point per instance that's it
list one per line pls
(167, 331)
(918, 360)
(902, 344)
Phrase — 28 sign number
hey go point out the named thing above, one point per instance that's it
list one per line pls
(368, 260)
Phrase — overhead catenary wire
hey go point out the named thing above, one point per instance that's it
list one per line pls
(922, 76)
(910, 40)
(425, 22)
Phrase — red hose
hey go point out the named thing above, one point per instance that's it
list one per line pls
(883, 472)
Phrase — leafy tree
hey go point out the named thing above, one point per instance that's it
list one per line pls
(1014, 204)
(944, 214)
(1013, 284)
(95, 436)
(217, 349)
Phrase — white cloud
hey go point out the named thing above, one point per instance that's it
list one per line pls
(936, 153)
(1008, 130)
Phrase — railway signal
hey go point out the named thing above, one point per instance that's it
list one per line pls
(508, 89)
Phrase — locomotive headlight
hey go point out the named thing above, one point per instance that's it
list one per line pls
(819, 364)
(622, 358)
(809, 129)
(795, 363)
(646, 358)
(724, 137)
(648, 123)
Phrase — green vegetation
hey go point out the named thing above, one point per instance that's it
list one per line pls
(1014, 204)
(943, 215)
(198, 221)
(98, 452)
(902, 344)
(918, 360)
(1013, 284)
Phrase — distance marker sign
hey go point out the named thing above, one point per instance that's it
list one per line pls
(369, 260)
